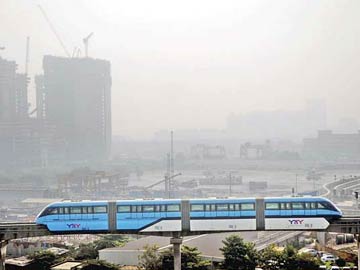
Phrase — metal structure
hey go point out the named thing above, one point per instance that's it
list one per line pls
(86, 43)
(53, 29)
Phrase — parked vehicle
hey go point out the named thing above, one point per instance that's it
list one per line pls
(328, 258)
(322, 267)
(310, 251)
(334, 267)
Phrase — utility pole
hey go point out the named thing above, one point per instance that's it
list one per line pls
(230, 184)
(296, 184)
(167, 176)
(171, 162)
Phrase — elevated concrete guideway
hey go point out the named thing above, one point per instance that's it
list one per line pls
(9, 231)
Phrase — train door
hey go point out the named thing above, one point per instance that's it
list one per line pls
(222, 210)
(231, 210)
(310, 209)
(148, 212)
(157, 211)
(66, 214)
(285, 209)
(212, 210)
(207, 212)
(85, 217)
(298, 208)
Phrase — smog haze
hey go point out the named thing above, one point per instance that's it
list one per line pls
(190, 64)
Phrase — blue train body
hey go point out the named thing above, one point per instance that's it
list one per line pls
(205, 215)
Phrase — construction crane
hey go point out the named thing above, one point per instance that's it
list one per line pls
(162, 181)
(54, 31)
(86, 43)
(27, 55)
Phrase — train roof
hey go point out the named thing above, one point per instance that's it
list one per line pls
(218, 199)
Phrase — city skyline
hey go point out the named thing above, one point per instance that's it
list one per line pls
(204, 62)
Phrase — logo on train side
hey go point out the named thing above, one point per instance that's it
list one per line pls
(73, 226)
(296, 221)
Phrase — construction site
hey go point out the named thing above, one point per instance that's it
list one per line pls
(69, 123)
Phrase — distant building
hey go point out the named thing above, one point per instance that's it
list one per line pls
(332, 146)
(13, 92)
(201, 151)
(75, 95)
(29, 143)
(284, 124)
(85, 183)
(24, 141)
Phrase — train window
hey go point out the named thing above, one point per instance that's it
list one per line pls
(90, 210)
(297, 206)
(222, 207)
(173, 208)
(231, 207)
(207, 207)
(133, 208)
(272, 206)
(197, 207)
(75, 210)
(247, 206)
(157, 208)
(66, 210)
(321, 206)
(61, 210)
(138, 208)
(213, 208)
(52, 211)
(148, 208)
(163, 208)
(100, 209)
(123, 209)
(313, 205)
(237, 207)
(307, 205)
(84, 210)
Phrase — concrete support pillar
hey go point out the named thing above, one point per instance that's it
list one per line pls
(176, 242)
(321, 237)
(358, 246)
(3, 245)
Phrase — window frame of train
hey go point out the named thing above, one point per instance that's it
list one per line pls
(156, 208)
(289, 206)
(214, 207)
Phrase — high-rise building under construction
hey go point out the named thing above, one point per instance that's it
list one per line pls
(13, 92)
(74, 94)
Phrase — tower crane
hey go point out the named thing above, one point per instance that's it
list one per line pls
(86, 43)
(54, 31)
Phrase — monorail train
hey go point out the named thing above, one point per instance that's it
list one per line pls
(189, 216)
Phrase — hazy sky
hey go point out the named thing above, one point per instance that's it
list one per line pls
(189, 63)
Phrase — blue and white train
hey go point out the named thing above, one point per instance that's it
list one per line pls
(191, 216)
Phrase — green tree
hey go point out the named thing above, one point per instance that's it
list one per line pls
(43, 259)
(238, 254)
(98, 265)
(307, 261)
(291, 260)
(150, 260)
(103, 243)
(190, 259)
